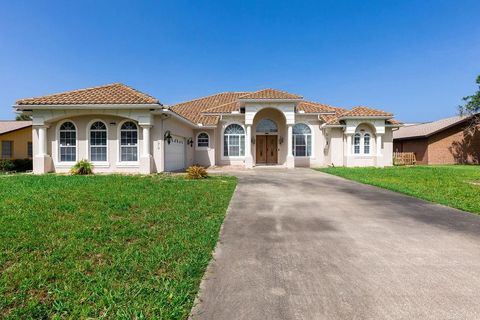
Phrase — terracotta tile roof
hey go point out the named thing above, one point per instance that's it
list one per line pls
(334, 119)
(314, 107)
(393, 121)
(271, 94)
(10, 125)
(116, 93)
(193, 110)
(365, 112)
(426, 129)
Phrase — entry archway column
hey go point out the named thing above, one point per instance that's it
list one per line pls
(290, 158)
(146, 157)
(248, 147)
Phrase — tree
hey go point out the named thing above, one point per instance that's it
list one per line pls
(23, 117)
(472, 108)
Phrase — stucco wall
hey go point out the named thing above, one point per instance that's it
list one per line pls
(318, 143)
(181, 129)
(205, 157)
(219, 159)
(20, 140)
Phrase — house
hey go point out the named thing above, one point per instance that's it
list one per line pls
(16, 139)
(121, 129)
(440, 142)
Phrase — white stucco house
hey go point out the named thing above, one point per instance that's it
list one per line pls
(120, 129)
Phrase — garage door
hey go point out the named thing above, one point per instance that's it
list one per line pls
(175, 154)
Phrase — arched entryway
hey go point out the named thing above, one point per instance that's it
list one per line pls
(268, 131)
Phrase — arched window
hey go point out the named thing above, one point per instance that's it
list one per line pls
(203, 140)
(98, 141)
(302, 140)
(266, 126)
(234, 141)
(366, 143)
(129, 142)
(356, 143)
(68, 142)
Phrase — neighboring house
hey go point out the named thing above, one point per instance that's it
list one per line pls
(16, 139)
(121, 129)
(439, 142)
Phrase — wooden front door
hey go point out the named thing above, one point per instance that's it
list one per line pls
(266, 149)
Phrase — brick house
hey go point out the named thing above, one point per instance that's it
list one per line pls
(440, 142)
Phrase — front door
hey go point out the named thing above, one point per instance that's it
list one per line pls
(266, 149)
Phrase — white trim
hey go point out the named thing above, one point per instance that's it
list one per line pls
(224, 126)
(96, 163)
(312, 134)
(121, 163)
(59, 163)
(196, 142)
(361, 145)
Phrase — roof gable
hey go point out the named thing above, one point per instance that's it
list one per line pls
(363, 111)
(116, 93)
(8, 126)
(427, 129)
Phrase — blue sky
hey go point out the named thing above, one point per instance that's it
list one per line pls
(413, 58)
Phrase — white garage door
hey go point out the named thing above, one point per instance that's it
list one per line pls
(175, 154)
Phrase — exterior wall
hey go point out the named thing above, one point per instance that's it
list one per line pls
(82, 124)
(205, 156)
(387, 147)
(178, 128)
(452, 146)
(336, 147)
(417, 146)
(279, 119)
(318, 143)
(20, 140)
(219, 158)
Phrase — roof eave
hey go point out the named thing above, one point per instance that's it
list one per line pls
(270, 100)
(366, 117)
(86, 106)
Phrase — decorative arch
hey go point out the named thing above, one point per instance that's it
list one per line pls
(266, 126)
(233, 145)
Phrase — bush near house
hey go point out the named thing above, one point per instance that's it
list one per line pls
(455, 185)
(113, 247)
(196, 172)
(18, 165)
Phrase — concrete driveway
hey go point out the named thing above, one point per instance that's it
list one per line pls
(299, 244)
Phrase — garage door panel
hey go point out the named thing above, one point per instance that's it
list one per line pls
(175, 154)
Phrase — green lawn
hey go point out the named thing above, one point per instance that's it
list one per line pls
(454, 186)
(119, 247)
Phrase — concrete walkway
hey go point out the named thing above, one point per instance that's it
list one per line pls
(299, 244)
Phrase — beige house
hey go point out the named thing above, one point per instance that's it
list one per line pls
(120, 129)
(16, 139)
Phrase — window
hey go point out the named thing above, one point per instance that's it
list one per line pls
(356, 143)
(302, 140)
(202, 140)
(267, 126)
(7, 149)
(29, 149)
(98, 141)
(68, 142)
(129, 142)
(234, 141)
(366, 143)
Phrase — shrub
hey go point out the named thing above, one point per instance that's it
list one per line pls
(6, 165)
(22, 165)
(196, 172)
(82, 167)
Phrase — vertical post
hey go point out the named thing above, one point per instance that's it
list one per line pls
(379, 145)
(248, 147)
(42, 141)
(290, 159)
(146, 140)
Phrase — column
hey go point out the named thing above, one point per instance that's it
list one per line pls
(379, 159)
(248, 147)
(349, 144)
(42, 141)
(290, 158)
(42, 162)
(146, 140)
(146, 157)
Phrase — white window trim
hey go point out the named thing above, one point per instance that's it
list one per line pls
(104, 164)
(312, 134)
(223, 157)
(196, 141)
(59, 163)
(127, 164)
(362, 145)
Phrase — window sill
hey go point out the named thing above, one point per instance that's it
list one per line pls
(64, 164)
(102, 164)
(126, 164)
(233, 158)
(202, 148)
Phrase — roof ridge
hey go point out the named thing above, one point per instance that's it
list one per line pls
(282, 91)
(204, 97)
(323, 104)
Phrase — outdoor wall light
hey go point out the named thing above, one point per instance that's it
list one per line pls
(167, 136)
(190, 142)
(280, 140)
(253, 140)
